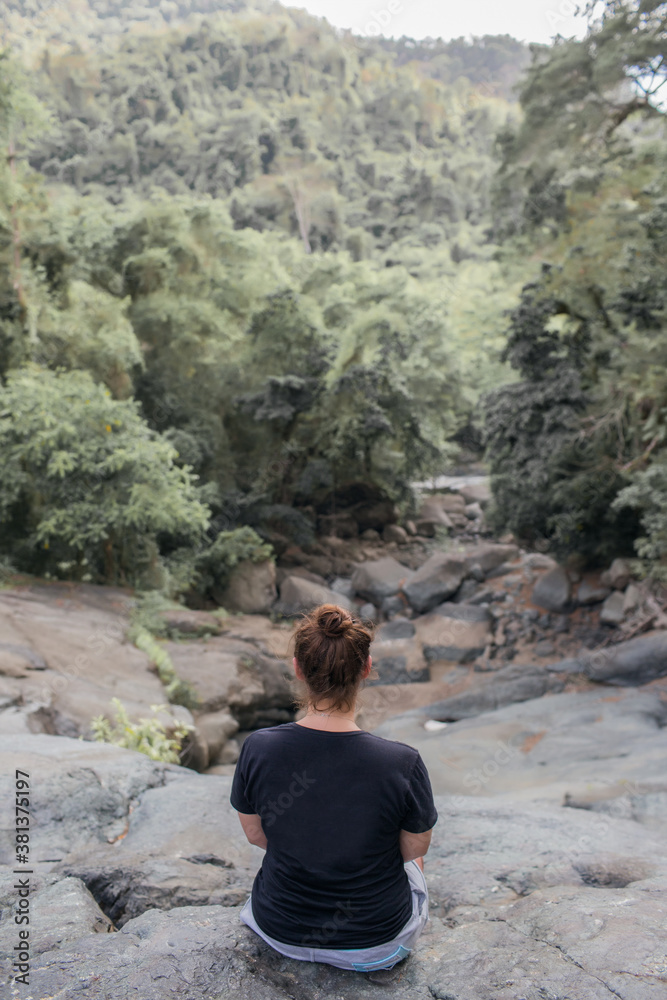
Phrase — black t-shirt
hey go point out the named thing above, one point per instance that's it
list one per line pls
(332, 806)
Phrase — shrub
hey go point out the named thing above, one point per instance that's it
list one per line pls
(147, 736)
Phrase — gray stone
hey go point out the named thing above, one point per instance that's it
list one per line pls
(612, 612)
(380, 578)
(343, 585)
(251, 587)
(454, 632)
(298, 595)
(63, 911)
(537, 560)
(589, 594)
(490, 555)
(473, 511)
(620, 574)
(553, 590)
(631, 599)
(399, 628)
(439, 578)
(544, 648)
(368, 612)
(476, 493)
(395, 605)
(395, 533)
(637, 661)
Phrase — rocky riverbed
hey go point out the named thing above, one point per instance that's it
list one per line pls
(536, 695)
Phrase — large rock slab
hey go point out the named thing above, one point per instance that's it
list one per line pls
(380, 578)
(75, 654)
(528, 901)
(490, 555)
(569, 746)
(507, 686)
(439, 578)
(227, 673)
(455, 632)
(632, 663)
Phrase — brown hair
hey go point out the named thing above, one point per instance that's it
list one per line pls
(331, 647)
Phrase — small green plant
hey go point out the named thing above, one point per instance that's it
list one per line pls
(147, 736)
(178, 692)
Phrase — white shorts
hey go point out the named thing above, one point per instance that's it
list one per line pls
(381, 956)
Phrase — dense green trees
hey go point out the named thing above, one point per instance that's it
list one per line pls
(582, 188)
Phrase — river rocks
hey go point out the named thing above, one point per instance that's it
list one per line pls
(631, 599)
(634, 662)
(298, 595)
(454, 632)
(553, 591)
(439, 578)
(380, 578)
(613, 611)
(395, 533)
(587, 593)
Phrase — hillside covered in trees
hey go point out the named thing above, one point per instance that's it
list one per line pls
(253, 266)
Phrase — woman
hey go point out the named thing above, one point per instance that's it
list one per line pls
(344, 816)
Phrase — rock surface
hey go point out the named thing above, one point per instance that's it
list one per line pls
(525, 902)
(439, 578)
(380, 578)
(251, 588)
(298, 595)
(634, 662)
(553, 591)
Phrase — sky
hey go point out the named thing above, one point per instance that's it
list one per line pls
(526, 20)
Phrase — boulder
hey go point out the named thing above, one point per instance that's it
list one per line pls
(232, 674)
(473, 511)
(587, 593)
(553, 591)
(380, 578)
(397, 654)
(439, 578)
(613, 612)
(251, 587)
(216, 728)
(490, 555)
(637, 661)
(631, 599)
(432, 515)
(537, 560)
(298, 595)
(395, 533)
(619, 574)
(454, 632)
(477, 493)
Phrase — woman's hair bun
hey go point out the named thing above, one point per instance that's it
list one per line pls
(333, 622)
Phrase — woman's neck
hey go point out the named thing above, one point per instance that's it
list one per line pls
(330, 720)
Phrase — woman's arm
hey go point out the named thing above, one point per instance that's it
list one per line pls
(252, 827)
(414, 845)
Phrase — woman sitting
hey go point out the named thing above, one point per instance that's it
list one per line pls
(344, 816)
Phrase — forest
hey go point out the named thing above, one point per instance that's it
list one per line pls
(253, 267)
